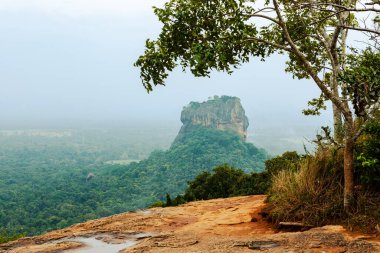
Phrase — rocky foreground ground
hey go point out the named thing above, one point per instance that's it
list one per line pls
(220, 225)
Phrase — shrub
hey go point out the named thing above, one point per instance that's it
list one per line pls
(253, 184)
(287, 161)
(226, 181)
(6, 236)
(367, 167)
(157, 204)
(168, 200)
(311, 194)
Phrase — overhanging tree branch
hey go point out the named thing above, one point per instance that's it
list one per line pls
(278, 46)
(325, 90)
(265, 17)
(360, 29)
(338, 6)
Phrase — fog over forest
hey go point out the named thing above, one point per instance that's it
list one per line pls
(67, 66)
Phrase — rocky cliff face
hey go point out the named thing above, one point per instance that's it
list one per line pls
(223, 113)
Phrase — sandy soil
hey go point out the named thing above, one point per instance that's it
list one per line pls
(221, 225)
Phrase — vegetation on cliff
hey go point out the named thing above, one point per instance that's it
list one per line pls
(201, 150)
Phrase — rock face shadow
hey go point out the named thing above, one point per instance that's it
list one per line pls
(262, 245)
(224, 113)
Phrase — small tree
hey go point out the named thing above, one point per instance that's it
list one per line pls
(169, 201)
(206, 35)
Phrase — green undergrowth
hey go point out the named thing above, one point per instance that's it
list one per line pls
(6, 236)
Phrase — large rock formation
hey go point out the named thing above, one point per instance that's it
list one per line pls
(223, 113)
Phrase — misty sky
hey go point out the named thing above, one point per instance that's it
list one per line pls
(73, 60)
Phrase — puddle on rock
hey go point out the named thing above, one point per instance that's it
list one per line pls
(106, 243)
(144, 211)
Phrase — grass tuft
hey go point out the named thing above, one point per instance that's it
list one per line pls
(313, 195)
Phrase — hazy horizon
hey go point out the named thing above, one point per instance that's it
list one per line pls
(72, 61)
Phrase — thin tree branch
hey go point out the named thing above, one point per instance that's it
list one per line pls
(263, 10)
(335, 13)
(325, 90)
(360, 29)
(335, 38)
(265, 17)
(278, 46)
(344, 8)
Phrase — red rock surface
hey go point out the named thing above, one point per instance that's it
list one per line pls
(220, 225)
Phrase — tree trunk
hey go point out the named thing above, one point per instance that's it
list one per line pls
(348, 165)
(338, 125)
(337, 114)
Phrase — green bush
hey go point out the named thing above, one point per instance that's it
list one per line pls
(224, 181)
(287, 161)
(367, 167)
(221, 183)
(6, 236)
(157, 204)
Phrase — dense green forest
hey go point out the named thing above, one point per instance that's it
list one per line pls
(44, 182)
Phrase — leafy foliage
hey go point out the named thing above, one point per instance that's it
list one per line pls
(225, 181)
(222, 182)
(200, 35)
(6, 237)
(362, 79)
(367, 167)
(316, 104)
(288, 161)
